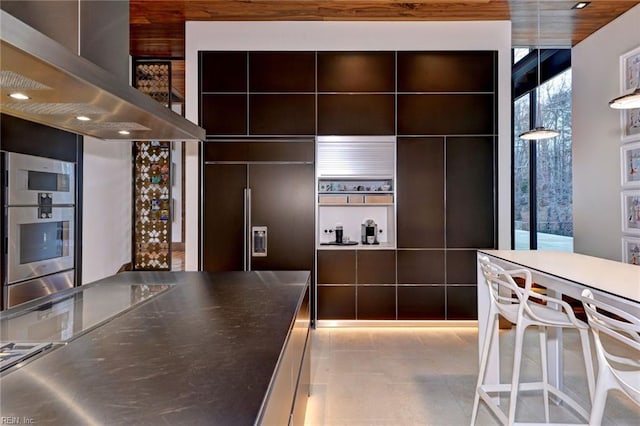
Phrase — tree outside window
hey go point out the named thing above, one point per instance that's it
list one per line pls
(551, 174)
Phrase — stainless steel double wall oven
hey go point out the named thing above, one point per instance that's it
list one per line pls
(40, 220)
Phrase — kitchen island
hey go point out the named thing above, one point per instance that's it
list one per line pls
(227, 348)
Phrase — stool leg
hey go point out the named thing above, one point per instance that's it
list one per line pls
(588, 361)
(515, 377)
(486, 346)
(600, 397)
(542, 333)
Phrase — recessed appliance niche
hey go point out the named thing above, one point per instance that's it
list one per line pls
(356, 191)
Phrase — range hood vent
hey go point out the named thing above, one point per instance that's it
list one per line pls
(62, 85)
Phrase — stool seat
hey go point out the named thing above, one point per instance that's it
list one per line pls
(525, 307)
(553, 317)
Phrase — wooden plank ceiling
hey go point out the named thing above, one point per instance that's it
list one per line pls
(157, 26)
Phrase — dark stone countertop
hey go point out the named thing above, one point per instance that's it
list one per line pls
(201, 353)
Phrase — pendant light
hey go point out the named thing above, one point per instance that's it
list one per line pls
(539, 131)
(630, 100)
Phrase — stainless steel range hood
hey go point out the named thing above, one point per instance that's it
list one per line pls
(63, 85)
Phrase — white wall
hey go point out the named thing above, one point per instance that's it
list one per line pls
(176, 192)
(596, 136)
(107, 226)
(478, 35)
(176, 187)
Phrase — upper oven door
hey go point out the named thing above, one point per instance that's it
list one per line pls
(38, 180)
(40, 241)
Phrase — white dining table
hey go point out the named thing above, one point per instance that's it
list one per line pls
(561, 273)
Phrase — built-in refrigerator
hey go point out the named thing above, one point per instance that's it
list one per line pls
(258, 210)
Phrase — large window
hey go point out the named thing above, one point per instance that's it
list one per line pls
(521, 156)
(520, 53)
(542, 181)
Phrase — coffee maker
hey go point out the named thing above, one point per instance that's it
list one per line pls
(369, 232)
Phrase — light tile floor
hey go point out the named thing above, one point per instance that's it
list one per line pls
(426, 376)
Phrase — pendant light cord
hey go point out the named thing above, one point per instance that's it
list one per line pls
(538, 132)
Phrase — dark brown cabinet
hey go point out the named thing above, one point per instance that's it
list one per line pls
(462, 302)
(461, 285)
(446, 71)
(336, 267)
(470, 195)
(223, 71)
(282, 114)
(446, 185)
(420, 192)
(461, 266)
(421, 284)
(356, 114)
(336, 284)
(443, 181)
(376, 267)
(442, 106)
(282, 200)
(237, 197)
(445, 114)
(376, 302)
(223, 239)
(224, 114)
(356, 93)
(258, 93)
(337, 302)
(257, 150)
(421, 267)
(356, 284)
(282, 72)
(421, 302)
(352, 71)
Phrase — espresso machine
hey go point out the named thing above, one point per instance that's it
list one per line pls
(369, 232)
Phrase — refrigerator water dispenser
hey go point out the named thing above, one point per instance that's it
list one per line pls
(259, 241)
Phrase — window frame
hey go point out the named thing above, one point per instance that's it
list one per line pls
(524, 78)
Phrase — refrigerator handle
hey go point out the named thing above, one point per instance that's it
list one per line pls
(247, 229)
(244, 229)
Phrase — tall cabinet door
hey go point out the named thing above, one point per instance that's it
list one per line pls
(421, 209)
(223, 225)
(282, 199)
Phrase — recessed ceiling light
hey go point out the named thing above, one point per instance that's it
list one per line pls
(19, 96)
(581, 5)
(83, 118)
(124, 132)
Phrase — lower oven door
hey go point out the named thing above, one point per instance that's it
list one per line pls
(40, 241)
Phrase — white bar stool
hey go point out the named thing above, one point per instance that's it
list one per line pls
(615, 371)
(515, 305)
